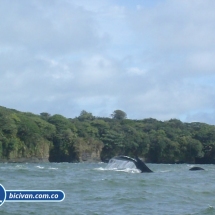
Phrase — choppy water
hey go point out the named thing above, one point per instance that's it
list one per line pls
(93, 190)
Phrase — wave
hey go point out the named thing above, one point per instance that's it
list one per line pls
(40, 167)
(128, 170)
(169, 170)
(209, 210)
(52, 168)
(20, 167)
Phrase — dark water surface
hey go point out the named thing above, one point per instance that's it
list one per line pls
(92, 190)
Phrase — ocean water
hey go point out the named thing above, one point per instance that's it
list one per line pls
(94, 189)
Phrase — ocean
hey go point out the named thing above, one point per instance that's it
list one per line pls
(94, 189)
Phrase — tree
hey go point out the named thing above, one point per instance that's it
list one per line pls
(84, 115)
(45, 115)
(61, 123)
(119, 114)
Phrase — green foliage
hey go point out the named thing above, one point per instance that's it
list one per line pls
(8, 125)
(119, 114)
(84, 115)
(61, 122)
(23, 135)
(60, 139)
(45, 116)
(87, 148)
(63, 147)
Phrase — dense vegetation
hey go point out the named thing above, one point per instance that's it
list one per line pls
(26, 135)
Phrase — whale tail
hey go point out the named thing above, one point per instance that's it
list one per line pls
(138, 163)
(142, 166)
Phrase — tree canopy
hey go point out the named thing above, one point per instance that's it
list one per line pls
(65, 139)
(119, 114)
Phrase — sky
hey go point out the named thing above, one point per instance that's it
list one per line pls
(148, 58)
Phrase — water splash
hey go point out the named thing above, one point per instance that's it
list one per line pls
(121, 165)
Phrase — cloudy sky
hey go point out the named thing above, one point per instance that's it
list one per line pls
(149, 58)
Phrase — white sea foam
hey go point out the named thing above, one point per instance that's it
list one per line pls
(20, 167)
(177, 192)
(166, 170)
(120, 166)
(190, 165)
(100, 168)
(128, 170)
(40, 167)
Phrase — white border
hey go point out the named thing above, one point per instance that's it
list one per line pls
(2, 202)
(34, 200)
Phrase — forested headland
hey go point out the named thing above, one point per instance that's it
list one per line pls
(27, 137)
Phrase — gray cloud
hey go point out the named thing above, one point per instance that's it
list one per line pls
(180, 37)
(148, 60)
(50, 27)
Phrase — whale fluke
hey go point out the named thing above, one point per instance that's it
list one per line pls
(138, 163)
(196, 168)
(142, 166)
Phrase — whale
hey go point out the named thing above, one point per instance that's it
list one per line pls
(137, 161)
(142, 166)
(196, 168)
